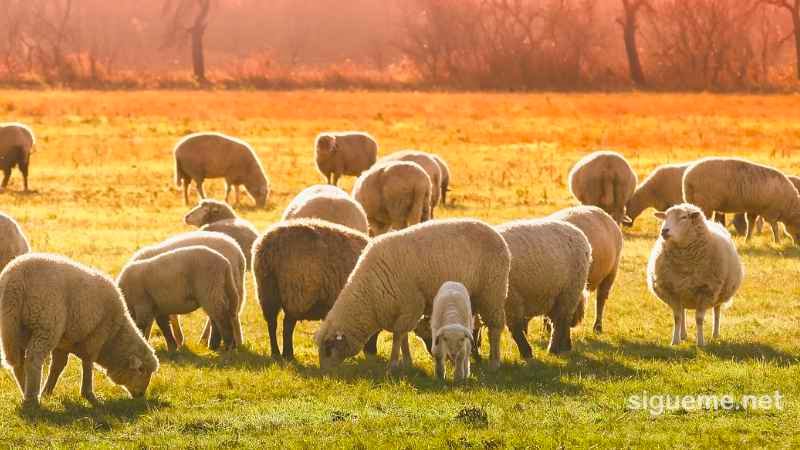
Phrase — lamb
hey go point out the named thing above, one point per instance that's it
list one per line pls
(605, 238)
(693, 265)
(428, 164)
(218, 242)
(394, 195)
(550, 261)
(344, 153)
(445, 169)
(398, 275)
(200, 156)
(213, 215)
(733, 185)
(16, 145)
(14, 243)
(451, 326)
(326, 202)
(300, 266)
(178, 282)
(604, 179)
(50, 304)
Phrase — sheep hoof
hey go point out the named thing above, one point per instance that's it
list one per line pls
(598, 329)
(91, 398)
(30, 403)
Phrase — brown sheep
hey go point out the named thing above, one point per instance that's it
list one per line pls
(344, 153)
(200, 156)
(604, 179)
(428, 164)
(742, 221)
(16, 145)
(445, 176)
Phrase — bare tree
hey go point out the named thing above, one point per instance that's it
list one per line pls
(189, 18)
(793, 7)
(629, 24)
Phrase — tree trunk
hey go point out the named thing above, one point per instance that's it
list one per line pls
(796, 22)
(629, 34)
(198, 58)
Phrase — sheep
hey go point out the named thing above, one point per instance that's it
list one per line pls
(445, 169)
(604, 179)
(344, 153)
(451, 327)
(218, 242)
(428, 164)
(300, 266)
(693, 265)
(326, 202)
(550, 261)
(178, 282)
(742, 221)
(200, 156)
(662, 189)
(16, 144)
(14, 243)
(213, 215)
(605, 238)
(733, 185)
(52, 305)
(397, 277)
(394, 195)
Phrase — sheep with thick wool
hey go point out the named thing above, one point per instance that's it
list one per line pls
(451, 327)
(16, 145)
(344, 153)
(300, 267)
(604, 179)
(694, 265)
(399, 274)
(213, 215)
(550, 262)
(179, 282)
(13, 242)
(428, 164)
(662, 189)
(330, 203)
(52, 305)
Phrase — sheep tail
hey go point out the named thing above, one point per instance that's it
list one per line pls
(607, 192)
(580, 310)
(421, 209)
(10, 326)
(179, 173)
(232, 296)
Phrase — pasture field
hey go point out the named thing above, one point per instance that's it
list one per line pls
(103, 180)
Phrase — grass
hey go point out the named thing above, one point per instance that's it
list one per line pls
(103, 179)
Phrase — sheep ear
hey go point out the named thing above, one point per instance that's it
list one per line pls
(135, 362)
(661, 215)
(694, 215)
(627, 221)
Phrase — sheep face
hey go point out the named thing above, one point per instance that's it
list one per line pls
(453, 342)
(259, 194)
(334, 348)
(198, 216)
(135, 375)
(681, 223)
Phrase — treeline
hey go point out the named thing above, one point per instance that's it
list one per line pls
(387, 44)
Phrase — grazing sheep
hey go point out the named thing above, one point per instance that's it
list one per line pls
(200, 156)
(604, 179)
(326, 202)
(693, 265)
(13, 242)
(399, 274)
(550, 261)
(218, 242)
(451, 327)
(344, 153)
(213, 215)
(179, 282)
(394, 195)
(428, 164)
(662, 189)
(733, 185)
(300, 266)
(16, 145)
(50, 304)
(742, 221)
(605, 239)
(445, 169)
(423, 331)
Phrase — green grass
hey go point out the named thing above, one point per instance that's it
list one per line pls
(103, 181)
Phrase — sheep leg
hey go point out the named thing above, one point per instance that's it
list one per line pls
(34, 359)
(750, 227)
(227, 191)
(23, 168)
(200, 188)
(6, 176)
(236, 188)
(476, 336)
(759, 224)
(288, 332)
(439, 370)
(740, 223)
(177, 332)
(684, 334)
(776, 231)
(560, 340)
(271, 316)
(699, 316)
(719, 218)
(336, 176)
(603, 291)
(206, 334)
(56, 369)
(717, 320)
(186, 192)
(518, 334)
(87, 383)
(677, 315)
(462, 367)
(164, 325)
(407, 361)
(397, 343)
(371, 347)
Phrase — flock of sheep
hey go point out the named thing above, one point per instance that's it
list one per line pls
(376, 261)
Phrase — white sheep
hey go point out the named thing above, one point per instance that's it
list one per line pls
(428, 164)
(13, 242)
(604, 179)
(344, 153)
(451, 328)
(693, 265)
(326, 202)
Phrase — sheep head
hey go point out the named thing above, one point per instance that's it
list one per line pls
(453, 342)
(681, 223)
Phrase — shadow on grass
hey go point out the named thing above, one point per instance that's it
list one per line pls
(240, 358)
(733, 351)
(100, 418)
(786, 250)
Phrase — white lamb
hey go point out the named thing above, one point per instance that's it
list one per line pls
(451, 328)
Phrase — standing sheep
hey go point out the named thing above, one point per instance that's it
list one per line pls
(13, 242)
(445, 169)
(550, 261)
(394, 195)
(16, 145)
(52, 305)
(213, 215)
(733, 185)
(604, 179)
(451, 328)
(743, 221)
(326, 202)
(200, 156)
(178, 282)
(300, 266)
(344, 153)
(693, 265)
(605, 238)
(428, 164)
(218, 242)
(399, 274)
